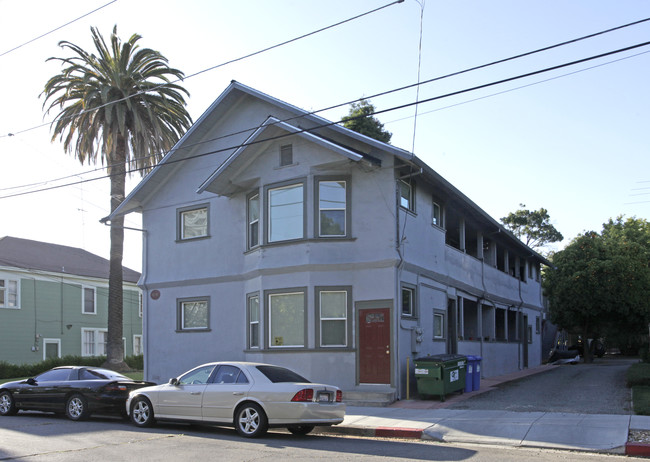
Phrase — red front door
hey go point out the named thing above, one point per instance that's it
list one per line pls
(374, 345)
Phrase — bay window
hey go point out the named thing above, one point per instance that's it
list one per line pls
(286, 212)
(286, 319)
(332, 208)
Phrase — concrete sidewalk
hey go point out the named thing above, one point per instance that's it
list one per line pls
(432, 421)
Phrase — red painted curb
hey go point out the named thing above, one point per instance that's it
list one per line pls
(637, 449)
(397, 432)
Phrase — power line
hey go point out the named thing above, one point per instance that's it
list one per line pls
(54, 30)
(397, 90)
(327, 123)
(154, 88)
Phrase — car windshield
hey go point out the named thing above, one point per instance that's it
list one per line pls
(277, 374)
(54, 375)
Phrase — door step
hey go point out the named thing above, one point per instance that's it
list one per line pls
(369, 396)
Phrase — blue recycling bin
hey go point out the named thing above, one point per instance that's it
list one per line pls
(476, 374)
(471, 367)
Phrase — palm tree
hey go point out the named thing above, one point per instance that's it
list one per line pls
(122, 108)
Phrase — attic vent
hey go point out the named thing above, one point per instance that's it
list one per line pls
(286, 155)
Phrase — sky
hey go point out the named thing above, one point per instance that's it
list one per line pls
(574, 140)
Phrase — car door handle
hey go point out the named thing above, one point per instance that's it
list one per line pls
(237, 393)
(195, 393)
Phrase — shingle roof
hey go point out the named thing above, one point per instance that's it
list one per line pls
(43, 256)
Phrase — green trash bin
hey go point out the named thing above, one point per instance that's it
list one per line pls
(440, 375)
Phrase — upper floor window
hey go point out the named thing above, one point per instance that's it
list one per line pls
(286, 155)
(286, 211)
(253, 220)
(8, 293)
(332, 208)
(437, 215)
(89, 301)
(406, 195)
(193, 223)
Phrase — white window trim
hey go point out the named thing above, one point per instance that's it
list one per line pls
(5, 294)
(56, 341)
(95, 340)
(83, 300)
(135, 353)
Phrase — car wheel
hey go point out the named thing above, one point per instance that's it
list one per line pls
(7, 404)
(250, 420)
(77, 408)
(142, 412)
(300, 429)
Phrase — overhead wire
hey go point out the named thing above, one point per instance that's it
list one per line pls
(453, 74)
(58, 28)
(417, 84)
(329, 123)
(154, 88)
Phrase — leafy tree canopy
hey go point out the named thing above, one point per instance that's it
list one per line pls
(532, 227)
(600, 284)
(361, 120)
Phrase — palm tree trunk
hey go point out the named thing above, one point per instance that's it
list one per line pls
(115, 346)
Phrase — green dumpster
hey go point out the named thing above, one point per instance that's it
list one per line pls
(440, 374)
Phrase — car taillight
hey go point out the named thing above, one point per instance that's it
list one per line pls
(339, 396)
(115, 387)
(306, 394)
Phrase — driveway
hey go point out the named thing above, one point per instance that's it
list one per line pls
(597, 388)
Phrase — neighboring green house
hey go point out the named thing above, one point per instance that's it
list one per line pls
(54, 302)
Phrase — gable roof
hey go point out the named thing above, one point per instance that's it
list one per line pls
(42, 256)
(218, 183)
(219, 108)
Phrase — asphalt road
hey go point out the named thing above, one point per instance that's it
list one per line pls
(597, 388)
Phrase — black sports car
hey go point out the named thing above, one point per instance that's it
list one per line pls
(76, 391)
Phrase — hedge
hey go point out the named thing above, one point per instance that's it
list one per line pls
(8, 370)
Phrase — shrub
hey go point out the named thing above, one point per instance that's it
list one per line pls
(638, 374)
(641, 400)
(30, 370)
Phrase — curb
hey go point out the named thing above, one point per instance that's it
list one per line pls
(379, 432)
(637, 449)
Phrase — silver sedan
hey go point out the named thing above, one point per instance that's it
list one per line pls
(252, 397)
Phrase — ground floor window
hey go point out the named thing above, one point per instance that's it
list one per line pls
(51, 348)
(333, 308)
(253, 321)
(438, 325)
(286, 319)
(93, 342)
(137, 345)
(193, 314)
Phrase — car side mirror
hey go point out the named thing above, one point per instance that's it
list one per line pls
(173, 381)
(31, 381)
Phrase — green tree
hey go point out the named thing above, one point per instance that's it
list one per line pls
(599, 285)
(532, 227)
(361, 120)
(118, 107)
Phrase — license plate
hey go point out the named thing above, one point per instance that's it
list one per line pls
(324, 398)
